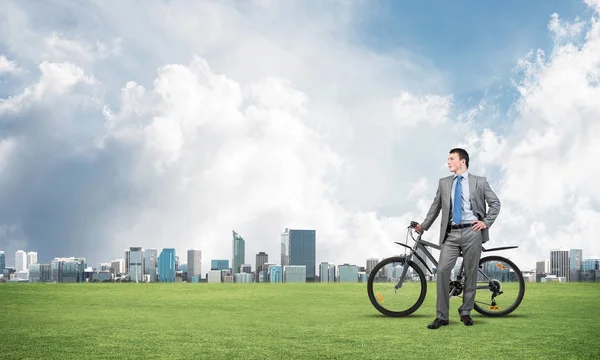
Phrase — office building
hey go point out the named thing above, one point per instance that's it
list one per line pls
(239, 252)
(20, 261)
(542, 267)
(590, 270)
(246, 268)
(39, 273)
(127, 261)
(117, 266)
(575, 264)
(243, 278)
(294, 273)
(298, 247)
(68, 270)
(150, 264)
(559, 263)
(348, 273)
(214, 276)
(326, 272)
(261, 259)
(136, 262)
(194, 265)
(166, 265)
(219, 264)
(591, 263)
(32, 258)
(371, 263)
(275, 273)
(2, 262)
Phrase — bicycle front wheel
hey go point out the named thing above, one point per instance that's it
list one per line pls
(500, 287)
(396, 302)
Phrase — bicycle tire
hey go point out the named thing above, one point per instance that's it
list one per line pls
(375, 303)
(520, 296)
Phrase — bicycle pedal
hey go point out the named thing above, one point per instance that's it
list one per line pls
(494, 307)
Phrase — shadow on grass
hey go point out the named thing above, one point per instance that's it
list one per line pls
(510, 316)
(419, 316)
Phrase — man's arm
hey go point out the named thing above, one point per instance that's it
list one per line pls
(434, 210)
(493, 203)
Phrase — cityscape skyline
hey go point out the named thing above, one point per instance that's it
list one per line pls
(47, 258)
(296, 248)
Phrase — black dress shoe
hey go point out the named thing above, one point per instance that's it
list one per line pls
(466, 319)
(437, 323)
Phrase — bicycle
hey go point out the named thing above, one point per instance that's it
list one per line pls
(494, 275)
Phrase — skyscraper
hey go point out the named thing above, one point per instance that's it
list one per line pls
(118, 266)
(127, 261)
(20, 260)
(559, 263)
(194, 264)
(371, 263)
(31, 259)
(575, 264)
(542, 267)
(261, 259)
(285, 248)
(166, 265)
(239, 252)
(298, 247)
(150, 263)
(2, 261)
(136, 269)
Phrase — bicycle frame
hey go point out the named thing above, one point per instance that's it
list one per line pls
(422, 244)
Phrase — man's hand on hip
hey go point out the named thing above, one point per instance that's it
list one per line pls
(478, 225)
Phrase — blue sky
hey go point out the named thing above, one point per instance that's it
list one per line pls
(476, 44)
(172, 127)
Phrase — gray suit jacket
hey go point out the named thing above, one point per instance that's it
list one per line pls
(479, 193)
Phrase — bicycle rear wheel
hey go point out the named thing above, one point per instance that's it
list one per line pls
(500, 287)
(403, 301)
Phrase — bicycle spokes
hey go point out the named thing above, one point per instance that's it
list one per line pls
(387, 296)
(498, 286)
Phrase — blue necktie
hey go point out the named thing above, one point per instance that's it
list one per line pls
(457, 206)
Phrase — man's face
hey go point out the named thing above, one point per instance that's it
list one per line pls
(453, 162)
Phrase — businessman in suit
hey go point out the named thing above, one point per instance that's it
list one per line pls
(462, 198)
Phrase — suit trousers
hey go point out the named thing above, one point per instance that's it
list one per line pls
(469, 242)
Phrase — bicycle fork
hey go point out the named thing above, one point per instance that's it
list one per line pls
(404, 270)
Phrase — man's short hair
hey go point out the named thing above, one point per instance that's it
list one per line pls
(462, 155)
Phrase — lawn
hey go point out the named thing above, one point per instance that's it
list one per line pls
(282, 321)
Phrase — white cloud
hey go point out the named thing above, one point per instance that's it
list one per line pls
(411, 110)
(562, 31)
(58, 47)
(8, 66)
(56, 79)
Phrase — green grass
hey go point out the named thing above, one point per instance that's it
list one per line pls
(282, 321)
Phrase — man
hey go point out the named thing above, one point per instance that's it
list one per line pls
(464, 227)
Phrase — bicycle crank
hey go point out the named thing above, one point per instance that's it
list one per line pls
(456, 288)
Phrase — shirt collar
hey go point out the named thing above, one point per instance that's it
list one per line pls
(465, 175)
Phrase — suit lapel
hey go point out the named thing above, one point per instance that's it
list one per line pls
(472, 187)
(448, 186)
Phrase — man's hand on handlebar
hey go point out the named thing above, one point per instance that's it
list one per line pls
(419, 229)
